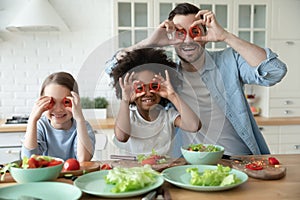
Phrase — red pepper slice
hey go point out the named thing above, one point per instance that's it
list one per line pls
(67, 102)
(106, 166)
(273, 161)
(180, 34)
(195, 31)
(253, 166)
(51, 104)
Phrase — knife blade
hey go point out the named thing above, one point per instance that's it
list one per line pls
(123, 157)
(150, 195)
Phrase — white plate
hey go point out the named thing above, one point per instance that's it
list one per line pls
(179, 177)
(94, 183)
(41, 190)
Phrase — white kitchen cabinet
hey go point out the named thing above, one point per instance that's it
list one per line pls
(104, 146)
(283, 139)
(285, 16)
(10, 146)
(283, 99)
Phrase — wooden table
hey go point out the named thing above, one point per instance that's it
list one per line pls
(285, 188)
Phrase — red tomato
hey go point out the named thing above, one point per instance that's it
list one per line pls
(149, 161)
(273, 161)
(254, 166)
(54, 162)
(33, 163)
(106, 166)
(43, 163)
(71, 164)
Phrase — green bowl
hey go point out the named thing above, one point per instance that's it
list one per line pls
(21, 175)
(202, 158)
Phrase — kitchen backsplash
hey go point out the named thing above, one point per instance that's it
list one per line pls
(26, 58)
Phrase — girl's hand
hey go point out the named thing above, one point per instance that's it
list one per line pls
(76, 107)
(41, 105)
(215, 32)
(127, 87)
(166, 88)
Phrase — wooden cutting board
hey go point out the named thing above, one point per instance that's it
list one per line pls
(85, 167)
(269, 172)
(171, 162)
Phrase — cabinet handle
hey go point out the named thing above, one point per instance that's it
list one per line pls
(297, 146)
(287, 102)
(289, 42)
(12, 152)
(286, 112)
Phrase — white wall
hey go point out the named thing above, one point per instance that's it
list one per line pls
(26, 58)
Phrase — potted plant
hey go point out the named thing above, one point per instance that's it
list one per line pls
(94, 108)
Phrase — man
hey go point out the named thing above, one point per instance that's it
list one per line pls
(214, 81)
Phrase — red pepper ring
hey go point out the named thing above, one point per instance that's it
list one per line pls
(154, 85)
(195, 31)
(51, 104)
(140, 86)
(180, 34)
(67, 102)
(253, 166)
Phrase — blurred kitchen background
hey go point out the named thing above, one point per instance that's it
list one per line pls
(88, 32)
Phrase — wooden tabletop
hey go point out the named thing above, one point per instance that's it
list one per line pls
(285, 188)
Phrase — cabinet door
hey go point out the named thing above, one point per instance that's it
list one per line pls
(271, 135)
(285, 16)
(8, 155)
(289, 139)
(288, 52)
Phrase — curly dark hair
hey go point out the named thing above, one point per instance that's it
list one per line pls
(154, 60)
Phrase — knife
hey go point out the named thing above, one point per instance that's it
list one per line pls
(234, 158)
(150, 195)
(123, 157)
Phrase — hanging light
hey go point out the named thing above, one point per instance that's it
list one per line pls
(39, 15)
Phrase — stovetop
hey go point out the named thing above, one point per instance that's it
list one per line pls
(17, 120)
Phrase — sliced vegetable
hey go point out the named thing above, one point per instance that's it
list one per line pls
(213, 177)
(106, 166)
(151, 159)
(203, 148)
(254, 166)
(128, 179)
(67, 102)
(273, 161)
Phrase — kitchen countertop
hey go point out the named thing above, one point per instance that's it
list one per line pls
(109, 123)
(285, 188)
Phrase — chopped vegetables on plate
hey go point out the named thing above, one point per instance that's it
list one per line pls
(151, 159)
(128, 179)
(218, 177)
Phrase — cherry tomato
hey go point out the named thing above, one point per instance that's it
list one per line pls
(106, 166)
(254, 166)
(67, 102)
(273, 161)
(71, 164)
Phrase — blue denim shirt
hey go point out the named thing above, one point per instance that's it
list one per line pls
(225, 80)
(225, 74)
